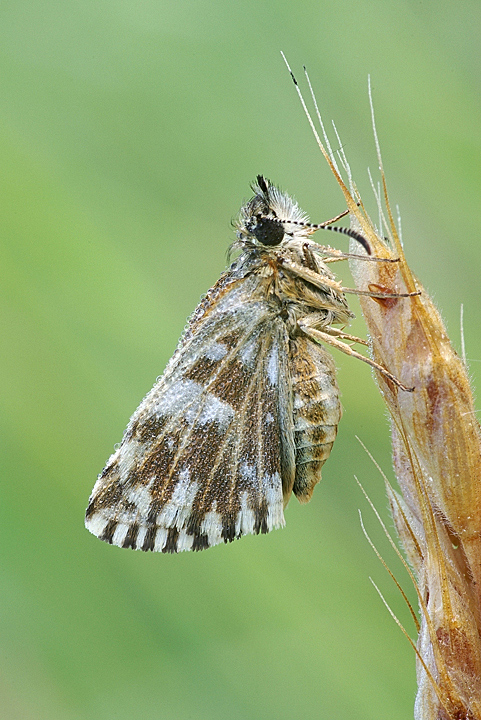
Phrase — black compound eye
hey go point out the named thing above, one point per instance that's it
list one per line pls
(268, 231)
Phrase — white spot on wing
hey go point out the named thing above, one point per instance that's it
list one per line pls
(141, 497)
(128, 457)
(272, 490)
(184, 541)
(248, 472)
(185, 398)
(212, 527)
(141, 536)
(160, 538)
(178, 509)
(249, 352)
(273, 366)
(96, 524)
(119, 534)
(245, 517)
(215, 410)
(216, 351)
(180, 394)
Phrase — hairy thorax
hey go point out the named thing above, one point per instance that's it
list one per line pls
(296, 297)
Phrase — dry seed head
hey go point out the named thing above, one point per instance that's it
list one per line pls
(437, 460)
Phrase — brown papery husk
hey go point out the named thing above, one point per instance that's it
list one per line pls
(436, 452)
(437, 460)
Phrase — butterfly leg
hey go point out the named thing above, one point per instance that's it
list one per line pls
(380, 295)
(345, 336)
(322, 281)
(320, 336)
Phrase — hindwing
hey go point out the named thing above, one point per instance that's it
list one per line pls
(208, 456)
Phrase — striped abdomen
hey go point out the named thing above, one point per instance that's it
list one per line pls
(317, 411)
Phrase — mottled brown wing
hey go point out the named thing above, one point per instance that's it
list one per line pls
(208, 456)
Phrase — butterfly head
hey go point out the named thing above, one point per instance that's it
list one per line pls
(270, 217)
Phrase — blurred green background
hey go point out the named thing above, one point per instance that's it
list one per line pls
(129, 134)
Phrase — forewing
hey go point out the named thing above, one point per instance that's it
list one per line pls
(208, 456)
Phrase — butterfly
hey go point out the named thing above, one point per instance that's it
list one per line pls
(246, 412)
